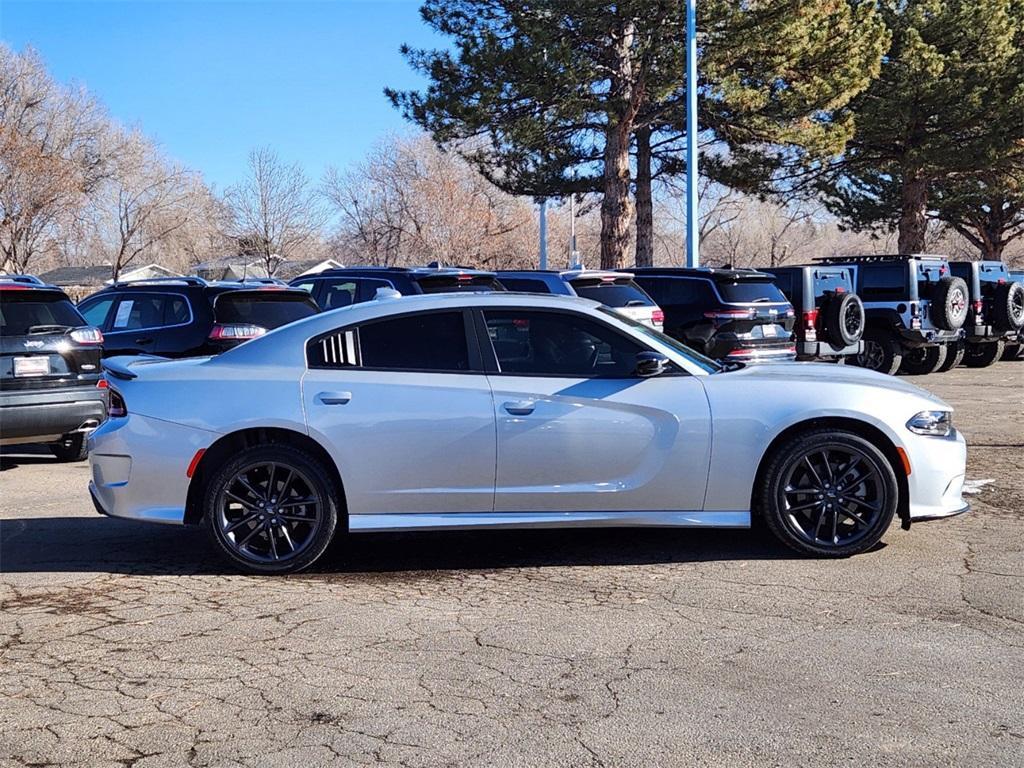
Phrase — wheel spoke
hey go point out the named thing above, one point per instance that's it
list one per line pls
(287, 537)
(828, 466)
(855, 517)
(240, 500)
(271, 471)
(245, 484)
(273, 544)
(239, 523)
(297, 519)
(286, 486)
(865, 504)
(252, 533)
(814, 472)
(801, 507)
(835, 523)
(297, 503)
(821, 519)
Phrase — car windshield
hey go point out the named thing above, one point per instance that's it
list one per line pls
(621, 293)
(269, 310)
(704, 363)
(23, 312)
(749, 291)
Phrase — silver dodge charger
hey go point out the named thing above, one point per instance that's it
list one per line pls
(510, 410)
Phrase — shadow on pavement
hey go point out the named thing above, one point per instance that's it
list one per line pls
(84, 544)
(12, 456)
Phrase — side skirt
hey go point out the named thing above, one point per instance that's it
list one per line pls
(502, 520)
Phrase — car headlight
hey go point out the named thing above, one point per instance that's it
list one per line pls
(936, 423)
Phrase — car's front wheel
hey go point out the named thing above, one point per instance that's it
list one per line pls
(271, 509)
(71, 447)
(881, 353)
(828, 493)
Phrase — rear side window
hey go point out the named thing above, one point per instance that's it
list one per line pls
(618, 293)
(749, 291)
(339, 294)
(674, 291)
(25, 312)
(269, 309)
(525, 285)
(459, 284)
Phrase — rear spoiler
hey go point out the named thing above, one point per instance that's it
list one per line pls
(120, 367)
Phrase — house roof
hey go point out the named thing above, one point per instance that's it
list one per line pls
(289, 269)
(77, 275)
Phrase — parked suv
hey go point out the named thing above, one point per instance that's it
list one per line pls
(187, 316)
(51, 385)
(616, 290)
(334, 288)
(914, 307)
(995, 314)
(734, 314)
(829, 314)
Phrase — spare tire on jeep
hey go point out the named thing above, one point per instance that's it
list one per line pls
(949, 303)
(843, 319)
(1008, 307)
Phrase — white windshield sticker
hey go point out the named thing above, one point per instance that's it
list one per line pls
(124, 311)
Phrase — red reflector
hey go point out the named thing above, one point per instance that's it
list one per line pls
(840, 289)
(657, 316)
(521, 322)
(464, 278)
(810, 319)
(102, 384)
(194, 463)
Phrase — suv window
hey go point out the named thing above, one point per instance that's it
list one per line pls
(558, 344)
(525, 284)
(270, 309)
(339, 294)
(883, 283)
(620, 293)
(749, 291)
(139, 311)
(23, 311)
(673, 291)
(458, 283)
(95, 311)
(434, 341)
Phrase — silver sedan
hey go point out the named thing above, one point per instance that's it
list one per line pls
(511, 411)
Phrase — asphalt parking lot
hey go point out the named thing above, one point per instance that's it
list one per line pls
(127, 644)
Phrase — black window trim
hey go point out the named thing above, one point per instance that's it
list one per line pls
(476, 364)
(490, 358)
(119, 297)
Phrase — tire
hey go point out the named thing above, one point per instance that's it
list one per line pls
(1008, 307)
(923, 360)
(983, 355)
(1011, 352)
(239, 497)
(71, 447)
(950, 303)
(828, 493)
(844, 319)
(881, 353)
(954, 356)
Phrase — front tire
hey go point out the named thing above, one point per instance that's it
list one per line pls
(271, 509)
(828, 493)
(954, 356)
(983, 355)
(923, 360)
(70, 448)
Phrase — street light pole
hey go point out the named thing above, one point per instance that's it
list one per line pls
(543, 250)
(692, 201)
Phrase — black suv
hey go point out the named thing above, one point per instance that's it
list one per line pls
(733, 314)
(51, 385)
(829, 314)
(915, 308)
(334, 288)
(187, 316)
(995, 314)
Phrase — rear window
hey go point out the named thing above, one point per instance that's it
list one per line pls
(459, 284)
(25, 312)
(525, 285)
(621, 293)
(749, 291)
(270, 309)
(831, 282)
(929, 276)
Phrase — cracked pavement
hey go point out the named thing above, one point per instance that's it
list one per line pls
(126, 644)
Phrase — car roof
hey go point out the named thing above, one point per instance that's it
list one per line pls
(712, 273)
(410, 271)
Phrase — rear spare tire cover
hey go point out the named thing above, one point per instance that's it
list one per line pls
(844, 319)
(950, 304)
(1008, 308)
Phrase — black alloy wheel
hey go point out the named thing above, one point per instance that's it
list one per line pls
(272, 509)
(881, 353)
(829, 493)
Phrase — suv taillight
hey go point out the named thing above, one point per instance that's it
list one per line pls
(117, 408)
(236, 332)
(979, 311)
(915, 316)
(658, 317)
(725, 315)
(87, 335)
(811, 324)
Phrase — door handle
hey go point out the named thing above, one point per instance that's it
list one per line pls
(334, 398)
(520, 407)
(144, 340)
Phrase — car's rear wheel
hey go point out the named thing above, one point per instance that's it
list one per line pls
(954, 356)
(1011, 352)
(829, 493)
(70, 448)
(983, 355)
(881, 353)
(923, 360)
(271, 509)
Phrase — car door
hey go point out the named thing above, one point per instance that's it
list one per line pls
(405, 409)
(578, 431)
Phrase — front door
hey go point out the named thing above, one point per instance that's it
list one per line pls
(578, 431)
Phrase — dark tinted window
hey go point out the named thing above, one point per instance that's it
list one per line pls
(269, 310)
(339, 293)
(832, 281)
(621, 293)
(137, 311)
(435, 341)
(22, 312)
(748, 291)
(176, 311)
(883, 283)
(525, 285)
(672, 291)
(929, 276)
(458, 283)
(787, 282)
(95, 310)
(559, 344)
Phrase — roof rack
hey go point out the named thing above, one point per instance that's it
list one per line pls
(30, 279)
(878, 258)
(185, 280)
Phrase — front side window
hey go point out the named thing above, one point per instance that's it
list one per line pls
(535, 342)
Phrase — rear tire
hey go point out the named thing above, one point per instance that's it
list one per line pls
(828, 493)
(71, 448)
(923, 360)
(881, 353)
(954, 356)
(1011, 352)
(983, 355)
(271, 509)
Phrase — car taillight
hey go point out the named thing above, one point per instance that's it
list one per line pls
(102, 384)
(979, 307)
(87, 335)
(236, 332)
(117, 407)
(724, 315)
(811, 324)
(658, 317)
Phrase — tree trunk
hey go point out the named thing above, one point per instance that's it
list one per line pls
(644, 202)
(913, 214)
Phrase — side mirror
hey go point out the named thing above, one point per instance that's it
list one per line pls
(650, 364)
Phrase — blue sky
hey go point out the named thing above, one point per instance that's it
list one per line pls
(210, 80)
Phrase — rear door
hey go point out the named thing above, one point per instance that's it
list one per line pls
(143, 322)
